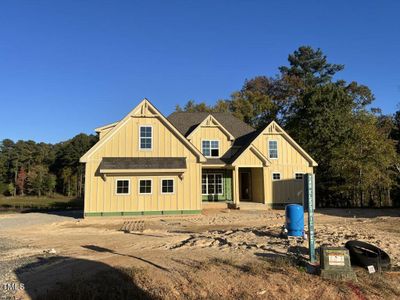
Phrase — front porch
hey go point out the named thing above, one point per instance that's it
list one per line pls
(233, 185)
(244, 205)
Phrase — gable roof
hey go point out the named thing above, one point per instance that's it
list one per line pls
(246, 142)
(141, 109)
(210, 120)
(260, 131)
(186, 122)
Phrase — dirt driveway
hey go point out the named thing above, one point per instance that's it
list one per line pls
(19, 221)
(219, 254)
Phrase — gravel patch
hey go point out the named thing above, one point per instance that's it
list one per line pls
(16, 221)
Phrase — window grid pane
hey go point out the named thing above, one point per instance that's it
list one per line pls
(145, 131)
(145, 137)
(299, 176)
(206, 148)
(276, 176)
(145, 187)
(210, 189)
(218, 181)
(273, 149)
(210, 148)
(204, 184)
(212, 184)
(167, 186)
(215, 152)
(122, 186)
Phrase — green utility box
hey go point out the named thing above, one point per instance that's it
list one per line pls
(335, 263)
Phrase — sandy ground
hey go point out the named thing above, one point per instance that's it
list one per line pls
(219, 254)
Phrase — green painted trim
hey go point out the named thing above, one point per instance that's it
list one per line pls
(151, 213)
(141, 213)
(227, 178)
(171, 212)
(131, 213)
(108, 214)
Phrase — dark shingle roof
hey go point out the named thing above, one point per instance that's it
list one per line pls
(186, 122)
(216, 161)
(247, 140)
(119, 163)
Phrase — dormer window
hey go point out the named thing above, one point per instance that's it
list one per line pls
(210, 148)
(146, 137)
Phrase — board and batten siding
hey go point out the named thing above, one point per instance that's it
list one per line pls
(289, 162)
(104, 132)
(257, 185)
(100, 194)
(211, 133)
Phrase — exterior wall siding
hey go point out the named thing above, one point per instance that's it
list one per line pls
(100, 194)
(257, 183)
(289, 162)
(104, 132)
(211, 133)
(249, 159)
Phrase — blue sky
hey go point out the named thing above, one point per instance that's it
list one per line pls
(69, 66)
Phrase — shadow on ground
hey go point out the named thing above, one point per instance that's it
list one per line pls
(359, 212)
(62, 278)
(106, 250)
(76, 214)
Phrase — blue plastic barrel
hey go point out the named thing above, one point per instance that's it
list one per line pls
(294, 219)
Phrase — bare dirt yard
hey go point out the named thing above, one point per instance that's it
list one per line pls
(221, 254)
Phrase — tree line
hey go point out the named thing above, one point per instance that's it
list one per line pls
(30, 168)
(356, 146)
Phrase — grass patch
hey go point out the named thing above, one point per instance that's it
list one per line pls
(379, 284)
(223, 261)
(34, 203)
(225, 278)
(259, 267)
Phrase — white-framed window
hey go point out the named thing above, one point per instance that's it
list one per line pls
(145, 186)
(273, 149)
(145, 137)
(298, 176)
(167, 186)
(210, 148)
(212, 184)
(276, 176)
(122, 186)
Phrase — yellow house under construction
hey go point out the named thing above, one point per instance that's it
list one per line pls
(147, 164)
